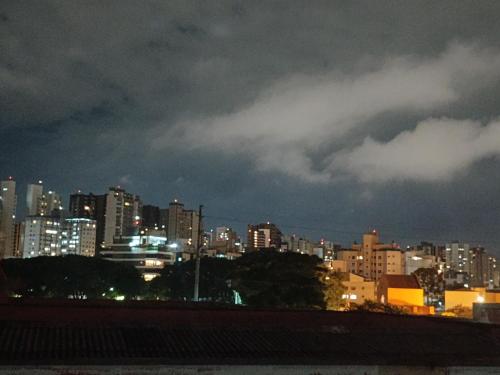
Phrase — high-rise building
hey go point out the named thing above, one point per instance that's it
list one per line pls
(175, 221)
(90, 206)
(122, 215)
(163, 218)
(42, 236)
(34, 203)
(182, 226)
(78, 236)
(264, 235)
(478, 267)
(53, 203)
(8, 202)
(84, 205)
(224, 240)
(493, 273)
(456, 257)
(39, 203)
(190, 229)
(151, 217)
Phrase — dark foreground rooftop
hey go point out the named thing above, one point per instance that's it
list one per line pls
(119, 333)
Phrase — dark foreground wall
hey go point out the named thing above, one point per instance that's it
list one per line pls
(249, 370)
(102, 333)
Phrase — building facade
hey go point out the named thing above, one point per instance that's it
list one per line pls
(262, 236)
(122, 215)
(8, 204)
(183, 226)
(42, 236)
(78, 236)
(149, 254)
(34, 199)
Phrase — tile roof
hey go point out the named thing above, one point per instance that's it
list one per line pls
(87, 332)
(400, 281)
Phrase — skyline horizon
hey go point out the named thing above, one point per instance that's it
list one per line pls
(240, 223)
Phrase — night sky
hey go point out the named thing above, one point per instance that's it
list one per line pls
(327, 118)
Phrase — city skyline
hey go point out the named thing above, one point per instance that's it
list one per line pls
(212, 220)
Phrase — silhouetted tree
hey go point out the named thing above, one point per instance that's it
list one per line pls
(176, 282)
(433, 284)
(286, 280)
(71, 276)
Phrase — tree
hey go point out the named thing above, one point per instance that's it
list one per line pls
(433, 284)
(71, 276)
(333, 289)
(176, 282)
(268, 278)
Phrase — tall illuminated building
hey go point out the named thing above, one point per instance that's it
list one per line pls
(42, 236)
(78, 236)
(457, 257)
(264, 235)
(182, 225)
(122, 215)
(8, 202)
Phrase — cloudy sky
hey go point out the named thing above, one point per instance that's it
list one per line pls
(328, 118)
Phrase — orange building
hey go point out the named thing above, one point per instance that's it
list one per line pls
(467, 297)
(404, 291)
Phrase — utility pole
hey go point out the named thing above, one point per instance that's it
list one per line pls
(198, 258)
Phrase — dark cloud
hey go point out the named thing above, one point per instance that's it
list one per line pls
(314, 114)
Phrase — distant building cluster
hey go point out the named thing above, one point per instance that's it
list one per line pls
(117, 226)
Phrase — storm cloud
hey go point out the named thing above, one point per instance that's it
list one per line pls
(323, 116)
(298, 115)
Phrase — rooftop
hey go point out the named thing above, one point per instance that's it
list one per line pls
(400, 281)
(109, 332)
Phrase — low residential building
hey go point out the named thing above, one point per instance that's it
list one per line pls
(358, 290)
(337, 265)
(352, 258)
(467, 297)
(403, 291)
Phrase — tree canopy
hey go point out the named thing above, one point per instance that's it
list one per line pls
(176, 282)
(273, 279)
(71, 276)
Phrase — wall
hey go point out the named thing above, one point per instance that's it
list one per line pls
(244, 370)
(403, 296)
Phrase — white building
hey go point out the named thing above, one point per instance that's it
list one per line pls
(78, 237)
(149, 254)
(34, 199)
(8, 202)
(42, 237)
